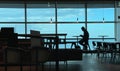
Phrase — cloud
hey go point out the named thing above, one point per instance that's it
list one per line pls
(12, 19)
(40, 15)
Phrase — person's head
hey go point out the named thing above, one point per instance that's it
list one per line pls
(83, 28)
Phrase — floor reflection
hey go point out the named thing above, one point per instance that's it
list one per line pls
(90, 62)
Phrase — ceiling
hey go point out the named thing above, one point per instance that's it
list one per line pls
(61, 3)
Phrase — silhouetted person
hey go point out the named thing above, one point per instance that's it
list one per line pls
(85, 38)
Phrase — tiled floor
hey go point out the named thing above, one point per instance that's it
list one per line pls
(89, 63)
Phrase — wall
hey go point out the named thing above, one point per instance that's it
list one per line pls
(117, 25)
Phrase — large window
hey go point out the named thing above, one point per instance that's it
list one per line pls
(12, 17)
(99, 29)
(70, 18)
(71, 14)
(42, 16)
(70, 29)
(11, 14)
(18, 28)
(100, 18)
(97, 14)
(43, 28)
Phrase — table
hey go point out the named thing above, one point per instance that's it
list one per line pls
(77, 38)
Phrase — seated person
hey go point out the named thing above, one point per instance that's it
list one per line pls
(85, 38)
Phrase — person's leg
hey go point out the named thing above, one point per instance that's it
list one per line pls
(85, 45)
(81, 42)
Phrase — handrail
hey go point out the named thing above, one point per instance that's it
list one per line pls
(89, 38)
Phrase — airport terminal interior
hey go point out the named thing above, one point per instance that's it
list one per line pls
(59, 35)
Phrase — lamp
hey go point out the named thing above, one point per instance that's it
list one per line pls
(48, 4)
(50, 20)
(119, 3)
(103, 14)
(77, 20)
(103, 20)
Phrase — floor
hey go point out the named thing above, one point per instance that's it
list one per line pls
(90, 62)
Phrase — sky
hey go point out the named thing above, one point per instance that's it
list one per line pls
(64, 15)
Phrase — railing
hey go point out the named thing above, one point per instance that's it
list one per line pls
(65, 43)
(90, 42)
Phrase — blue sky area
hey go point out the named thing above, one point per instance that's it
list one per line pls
(64, 15)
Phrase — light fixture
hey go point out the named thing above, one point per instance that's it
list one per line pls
(103, 20)
(119, 3)
(50, 20)
(77, 20)
(48, 4)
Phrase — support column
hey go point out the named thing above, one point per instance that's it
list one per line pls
(117, 20)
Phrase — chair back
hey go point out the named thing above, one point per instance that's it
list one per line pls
(35, 38)
(94, 44)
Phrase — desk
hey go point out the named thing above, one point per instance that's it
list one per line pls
(49, 37)
(28, 35)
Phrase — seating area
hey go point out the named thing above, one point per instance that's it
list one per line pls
(107, 48)
(15, 55)
(59, 35)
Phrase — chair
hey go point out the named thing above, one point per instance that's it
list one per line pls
(105, 49)
(36, 40)
(99, 46)
(94, 46)
(39, 54)
(113, 49)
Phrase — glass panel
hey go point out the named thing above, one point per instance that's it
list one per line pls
(18, 28)
(43, 28)
(96, 30)
(70, 29)
(71, 14)
(40, 14)
(99, 30)
(11, 14)
(97, 14)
